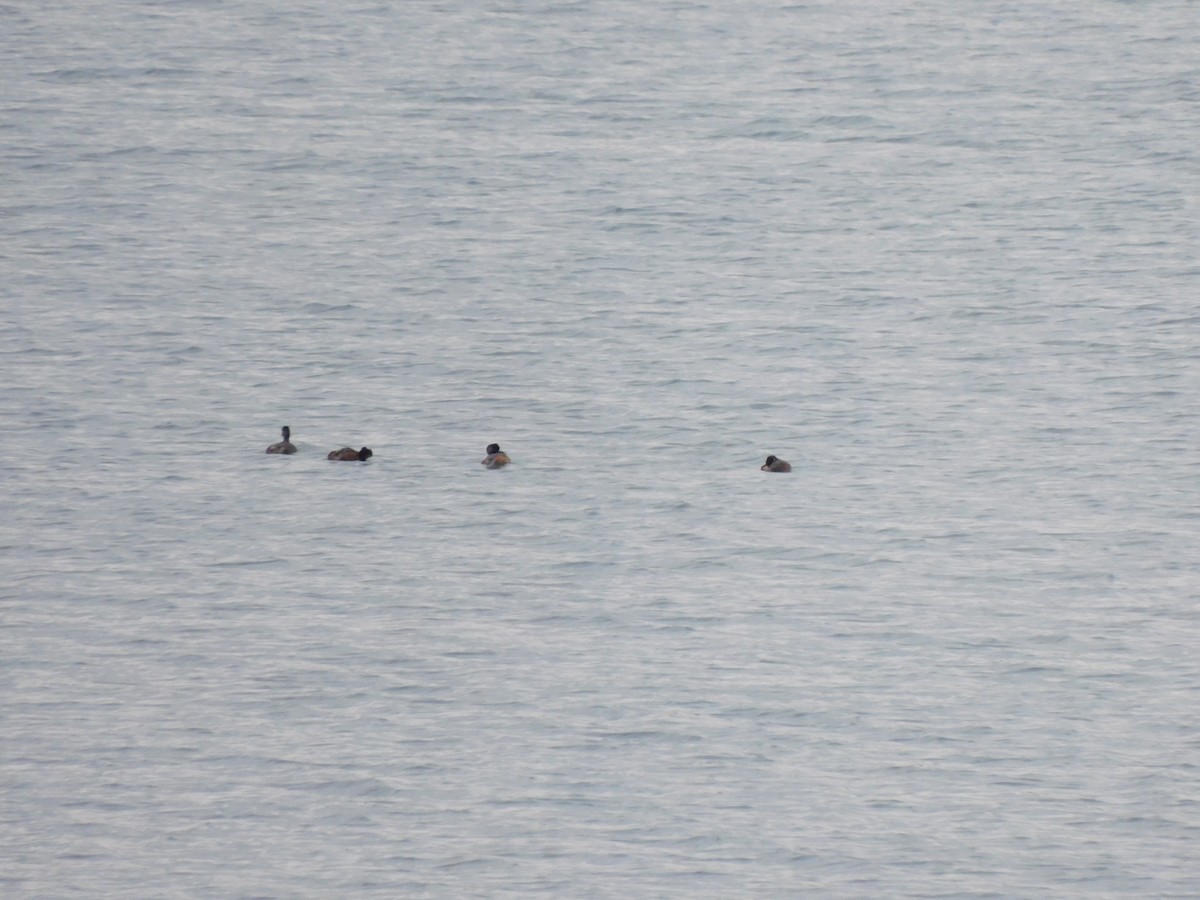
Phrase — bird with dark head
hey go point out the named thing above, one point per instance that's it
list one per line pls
(496, 458)
(284, 446)
(349, 454)
(775, 464)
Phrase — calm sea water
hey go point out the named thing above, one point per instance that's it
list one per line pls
(941, 257)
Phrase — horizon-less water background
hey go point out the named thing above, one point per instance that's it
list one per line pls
(940, 256)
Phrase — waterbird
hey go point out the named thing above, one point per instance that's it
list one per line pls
(775, 464)
(349, 454)
(495, 457)
(284, 446)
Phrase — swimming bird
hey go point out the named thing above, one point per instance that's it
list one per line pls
(349, 454)
(775, 464)
(495, 457)
(284, 446)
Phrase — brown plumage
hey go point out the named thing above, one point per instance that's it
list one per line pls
(284, 446)
(495, 457)
(775, 464)
(349, 454)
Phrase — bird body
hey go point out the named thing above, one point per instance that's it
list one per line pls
(775, 464)
(349, 454)
(285, 446)
(496, 458)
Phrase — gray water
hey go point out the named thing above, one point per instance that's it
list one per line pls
(940, 256)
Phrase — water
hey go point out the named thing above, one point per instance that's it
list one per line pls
(942, 259)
